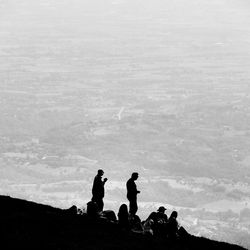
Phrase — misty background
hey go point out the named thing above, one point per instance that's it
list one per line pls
(160, 87)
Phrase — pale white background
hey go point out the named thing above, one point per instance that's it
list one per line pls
(158, 86)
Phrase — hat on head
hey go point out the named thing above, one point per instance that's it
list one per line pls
(161, 209)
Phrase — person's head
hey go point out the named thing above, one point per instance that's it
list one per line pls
(135, 176)
(100, 172)
(161, 209)
(123, 210)
(174, 214)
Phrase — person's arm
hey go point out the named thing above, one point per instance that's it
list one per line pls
(104, 181)
(136, 191)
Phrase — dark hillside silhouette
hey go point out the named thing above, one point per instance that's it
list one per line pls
(28, 225)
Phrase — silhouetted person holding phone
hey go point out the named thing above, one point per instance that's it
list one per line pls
(132, 193)
(98, 190)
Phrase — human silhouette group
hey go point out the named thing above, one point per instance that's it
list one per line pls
(157, 223)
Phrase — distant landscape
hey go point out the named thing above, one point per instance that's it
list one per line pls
(158, 87)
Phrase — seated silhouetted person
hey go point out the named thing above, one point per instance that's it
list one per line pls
(174, 230)
(160, 215)
(123, 217)
(72, 210)
(109, 215)
(158, 222)
(135, 223)
(173, 226)
(92, 210)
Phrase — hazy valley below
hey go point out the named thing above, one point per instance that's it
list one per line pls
(158, 87)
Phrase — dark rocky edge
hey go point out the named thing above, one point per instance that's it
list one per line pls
(28, 225)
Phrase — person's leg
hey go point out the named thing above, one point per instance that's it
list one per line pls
(133, 206)
(101, 205)
(130, 206)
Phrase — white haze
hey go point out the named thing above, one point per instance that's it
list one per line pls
(158, 86)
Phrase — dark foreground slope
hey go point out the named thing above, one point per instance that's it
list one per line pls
(28, 225)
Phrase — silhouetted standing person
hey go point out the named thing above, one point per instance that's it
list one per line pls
(98, 190)
(132, 193)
